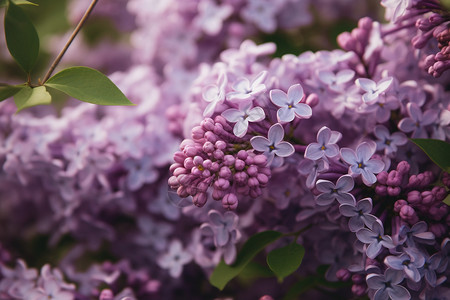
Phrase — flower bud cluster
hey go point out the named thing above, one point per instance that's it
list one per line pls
(215, 158)
(418, 196)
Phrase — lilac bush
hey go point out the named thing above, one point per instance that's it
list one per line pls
(228, 141)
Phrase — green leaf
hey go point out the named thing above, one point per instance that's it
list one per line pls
(18, 2)
(21, 37)
(286, 260)
(447, 200)
(254, 270)
(29, 97)
(223, 273)
(7, 91)
(88, 85)
(438, 151)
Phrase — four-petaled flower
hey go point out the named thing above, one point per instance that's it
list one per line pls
(372, 88)
(387, 286)
(417, 121)
(175, 259)
(335, 81)
(273, 146)
(360, 162)
(340, 191)
(325, 146)
(242, 116)
(388, 142)
(408, 262)
(244, 90)
(375, 238)
(290, 106)
(359, 214)
(214, 94)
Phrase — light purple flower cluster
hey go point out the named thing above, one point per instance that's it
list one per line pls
(317, 140)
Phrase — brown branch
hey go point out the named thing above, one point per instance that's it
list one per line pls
(72, 37)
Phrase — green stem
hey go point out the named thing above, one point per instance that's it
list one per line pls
(72, 37)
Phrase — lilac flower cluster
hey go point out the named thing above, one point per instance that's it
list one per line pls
(317, 140)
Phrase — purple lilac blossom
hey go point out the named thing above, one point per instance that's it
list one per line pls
(290, 104)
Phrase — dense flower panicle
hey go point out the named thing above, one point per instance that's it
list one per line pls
(275, 140)
(210, 159)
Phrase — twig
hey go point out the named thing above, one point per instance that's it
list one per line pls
(72, 37)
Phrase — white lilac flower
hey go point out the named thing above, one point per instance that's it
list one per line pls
(273, 146)
(376, 239)
(408, 262)
(417, 120)
(325, 146)
(242, 116)
(388, 142)
(340, 191)
(387, 286)
(360, 162)
(373, 89)
(290, 106)
(246, 90)
(359, 214)
(175, 258)
(214, 94)
(336, 81)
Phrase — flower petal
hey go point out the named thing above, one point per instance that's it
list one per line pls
(276, 133)
(279, 98)
(349, 156)
(345, 183)
(256, 114)
(260, 143)
(366, 84)
(240, 128)
(285, 115)
(233, 115)
(303, 110)
(314, 151)
(295, 94)
(284, 149)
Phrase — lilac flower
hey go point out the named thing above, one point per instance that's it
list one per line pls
(244, 90)
(417, 121)
(360, 162)
(408, 262)
(325, 146)
(140, 172)
(417, 234)
(382, 108)
(339, 192)
(429, 269)
(152, 233)
(373, 89)
(262, 13)
(273, 146)
(225, 232)
(387, 286)
(376, 239)
(211, 16)
(290, 106)
(214, 94)
(174, 259)
(359, 214)
(335, 81)
(312, 168)
(242, 116)
(389, 142)
(50, 290)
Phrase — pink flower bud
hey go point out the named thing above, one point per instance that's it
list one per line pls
(230, 201)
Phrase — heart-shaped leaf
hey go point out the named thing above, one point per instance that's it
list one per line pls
(21, 37)
(88, 85)
(29, 97)
(286, 260)
(223, 273)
